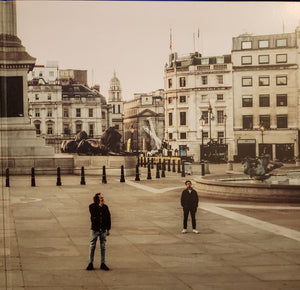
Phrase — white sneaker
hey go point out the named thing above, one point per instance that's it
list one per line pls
(184, 231)
(195, 231)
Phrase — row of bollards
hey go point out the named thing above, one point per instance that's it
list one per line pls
(159, 167)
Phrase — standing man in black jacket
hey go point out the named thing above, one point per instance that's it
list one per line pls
(101, 223)
(189, 202)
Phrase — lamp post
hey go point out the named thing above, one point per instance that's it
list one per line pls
(131, 142)
(202, 123)
(225, 118)
(209, 116)
(262, 128)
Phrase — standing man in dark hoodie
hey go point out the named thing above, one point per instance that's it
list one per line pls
(189, 202)
(101, 223)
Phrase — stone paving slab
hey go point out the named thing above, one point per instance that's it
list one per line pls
(45, 239)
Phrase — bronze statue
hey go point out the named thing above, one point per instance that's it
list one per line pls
(108, 144)
(258, 168)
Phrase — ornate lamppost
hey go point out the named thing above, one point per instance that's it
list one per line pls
(202, 123)
(209, 117)
(262, 129)
(225, 118)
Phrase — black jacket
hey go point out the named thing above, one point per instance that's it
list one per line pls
(189, 200)
(100, 217)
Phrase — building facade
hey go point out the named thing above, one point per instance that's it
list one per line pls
(266, 94)
(59, 112)
(115, 100)
(198, 106)
(144, 122)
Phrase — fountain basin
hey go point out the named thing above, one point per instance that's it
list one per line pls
(242, 188)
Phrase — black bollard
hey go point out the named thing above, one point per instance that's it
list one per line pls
(152, 163)
(159, 164)
(179, 170)
(122, 174)
(163, 171)
(104, 181)
(148, 161)
(142, 162)
(174, 169)
(137, 174)
(32, 177)
(164, 165)
(7, 177)
(145, 162)
(202, 168)
(138, 161)
(169, 165)
(183, 170)
(82, 182)
(157, 171)
(58, 179)
(149, 172)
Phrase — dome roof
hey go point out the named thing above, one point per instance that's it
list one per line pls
(114, 81)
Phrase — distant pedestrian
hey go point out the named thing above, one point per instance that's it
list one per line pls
(189, 203)
(100, 227)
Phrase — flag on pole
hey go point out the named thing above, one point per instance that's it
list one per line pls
(171, 39)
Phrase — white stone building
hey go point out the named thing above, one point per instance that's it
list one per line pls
(60, 112)
(194, 84)
(266, 80)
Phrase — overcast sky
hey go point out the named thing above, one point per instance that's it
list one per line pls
(133, 38)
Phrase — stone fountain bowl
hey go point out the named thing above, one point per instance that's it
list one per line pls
(239, 187)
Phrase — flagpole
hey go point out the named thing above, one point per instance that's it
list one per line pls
(194, 42)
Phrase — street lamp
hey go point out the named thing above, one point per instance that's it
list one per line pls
(225, 118)
(262, 128)
(209, 116)
(131, 143)
(202, 123)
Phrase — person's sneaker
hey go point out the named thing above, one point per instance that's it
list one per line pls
(195, 231)
(90, 267)
(104, 267)
(184, 231)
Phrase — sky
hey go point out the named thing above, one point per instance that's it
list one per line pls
(132, 38)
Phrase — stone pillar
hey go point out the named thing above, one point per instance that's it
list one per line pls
(8, 23)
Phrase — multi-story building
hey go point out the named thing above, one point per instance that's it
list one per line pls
(60, 112)
(266, 89)
(198, 106)
(115, 100)
(144, 122)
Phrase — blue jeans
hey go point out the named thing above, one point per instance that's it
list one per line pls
(102, 238)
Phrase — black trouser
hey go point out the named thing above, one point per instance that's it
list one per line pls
(186, 211)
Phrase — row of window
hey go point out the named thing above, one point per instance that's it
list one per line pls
(183, 99)
(264, 100)
(281, 80)
(66, 113)
(264, 59)
(183, 121)
(204, 81)
(183, 135)
(281, 42)
(66, 129)
(282, 121)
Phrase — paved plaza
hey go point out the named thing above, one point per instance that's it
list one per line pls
(45, 237)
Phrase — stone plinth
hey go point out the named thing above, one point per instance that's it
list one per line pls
(93, 164)
(41, 164)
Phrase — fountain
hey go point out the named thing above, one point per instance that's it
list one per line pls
(260, 185)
